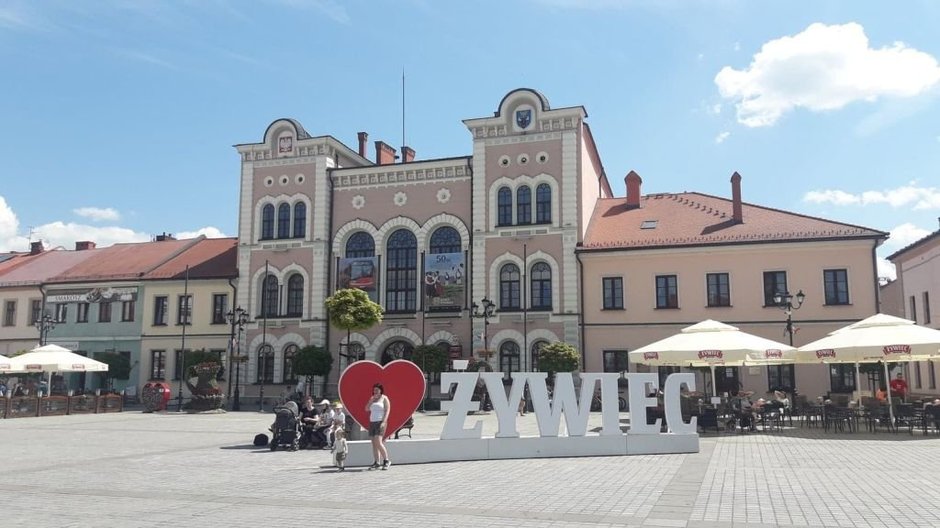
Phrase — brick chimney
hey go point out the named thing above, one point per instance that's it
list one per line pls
(82, 245)
(633, 182)
(407, 154)
(35, 248)
(737, 216)
(363, 141)
(164, 237)
(384, 153)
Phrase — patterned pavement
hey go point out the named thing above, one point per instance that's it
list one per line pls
(135, 469)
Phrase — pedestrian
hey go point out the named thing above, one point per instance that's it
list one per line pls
(340, 449)
(899, 387)
(378, 408)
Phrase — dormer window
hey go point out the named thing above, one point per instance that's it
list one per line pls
(649, 224)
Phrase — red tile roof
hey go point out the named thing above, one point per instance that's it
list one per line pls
(211, 258)
(124, 261)
(694, 219)
(27, 269)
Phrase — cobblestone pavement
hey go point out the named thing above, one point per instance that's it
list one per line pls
(134, 469)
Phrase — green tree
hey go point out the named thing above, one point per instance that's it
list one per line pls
(352, 309)
(119, 367)
(313, 361)
(558, 357)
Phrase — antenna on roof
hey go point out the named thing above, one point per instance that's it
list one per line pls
(403, 106)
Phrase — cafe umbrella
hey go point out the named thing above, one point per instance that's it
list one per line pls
(712, 344)
(5, 365)
(53, 358)
(879, 338)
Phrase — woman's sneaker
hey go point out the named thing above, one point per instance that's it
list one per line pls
(386, 464)
(375, 465)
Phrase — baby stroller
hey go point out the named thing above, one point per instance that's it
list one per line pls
(286, 428)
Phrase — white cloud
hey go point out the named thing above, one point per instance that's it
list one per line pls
(98, 214)
(209, 232)
(66, 234)
(9, 226)
(715, 109)
(823, 68)
(720, 138)
(905, 235)
(886, 269)
(920, 197)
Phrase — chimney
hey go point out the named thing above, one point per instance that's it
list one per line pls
(384, 153)
(633, 182)
(737, 216)
(407, 154)
(363, 140)
(35, 248)
(82, 245)
(164, 237)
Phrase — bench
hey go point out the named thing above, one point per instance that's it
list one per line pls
(408, 425)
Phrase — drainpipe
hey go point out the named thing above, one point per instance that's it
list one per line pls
(329, 274)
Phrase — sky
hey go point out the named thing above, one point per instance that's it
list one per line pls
(119, 116)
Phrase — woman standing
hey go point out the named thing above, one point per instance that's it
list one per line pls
(378, 408)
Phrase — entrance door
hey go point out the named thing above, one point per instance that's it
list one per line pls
(728, 379)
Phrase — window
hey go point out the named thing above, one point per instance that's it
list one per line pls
(359, 245)
(401, 292)
(719, 289)
(219, 307)
(61, 312)
(160, 309)
(918, 380)
(267, 222)
(82, 315)
(300, 220)
(931, 375)
(290, 354)
(397, 350)
(504, 207)
(664, 373)
(913, 309)
(35, 311)
(266, 364)
(926, 308)
(616, 361)
(541, 285)
(842, 377)
(781, 378)
(178, 360)
(283, 221)
(667, 291)
(184, 310)
(157, 364)
(543, 204)
(9, 313)
(836, 282)
(295, 295)
(127, 311)
(269, 291)
(536, 349)
(649, 224)
(509, 288)
(774, 282)
(613, 293)
(508, 358)
(445, 239)
(523, 205)
(104, 312)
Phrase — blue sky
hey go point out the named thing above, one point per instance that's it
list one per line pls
(119, 115)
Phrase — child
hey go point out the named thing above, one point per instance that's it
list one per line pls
(340, 449)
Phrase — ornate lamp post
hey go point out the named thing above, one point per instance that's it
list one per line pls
(44, 324)
(784, 301)
(238, 319)
(485, 310)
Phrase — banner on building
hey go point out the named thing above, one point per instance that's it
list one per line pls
(443, 281)
(93, 295)
(359, 272)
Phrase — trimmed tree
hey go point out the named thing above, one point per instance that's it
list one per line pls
(558, 357)
(313, 361)
(119, 367)
(352, 309)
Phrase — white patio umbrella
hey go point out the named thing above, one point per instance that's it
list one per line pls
(877, 338)
(53, 358)
(710, 344)
(5, 365)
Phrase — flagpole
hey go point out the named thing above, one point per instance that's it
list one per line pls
(185, 316)
(264, 335)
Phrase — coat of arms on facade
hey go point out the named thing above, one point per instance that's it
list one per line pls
(285, 144)
(523, 118)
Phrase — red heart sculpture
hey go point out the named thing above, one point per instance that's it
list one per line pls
(403, 382)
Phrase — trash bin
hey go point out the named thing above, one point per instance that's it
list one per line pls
(155, 396)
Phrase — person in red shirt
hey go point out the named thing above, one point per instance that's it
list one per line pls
(899, 387)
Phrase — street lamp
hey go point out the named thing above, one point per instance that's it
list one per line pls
(44, 324)
(784, 301)
(486, 311)
(237, 318)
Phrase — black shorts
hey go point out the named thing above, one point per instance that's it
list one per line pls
(376, 429)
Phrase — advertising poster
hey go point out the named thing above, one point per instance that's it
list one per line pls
(443, 281)
(359, 272)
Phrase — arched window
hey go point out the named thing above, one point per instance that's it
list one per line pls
(541, 286)
(269, 294)
(300, 220)
(536, 349)
(445, 239)
(360, 244)
(397, 350)
(267, 222)
(543, 204)
(524, 205)
(283, 221)
(402, 272)
(290, 354)
(508, 358)
(295, 295)
(266, 364)
(504, 207)
(509, 288)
